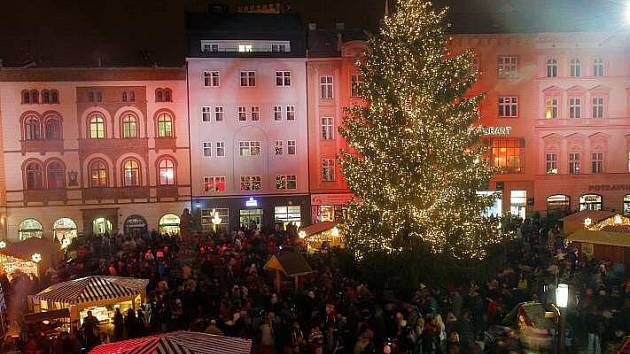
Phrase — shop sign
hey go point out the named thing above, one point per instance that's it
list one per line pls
(136, 221)
(608, 187)
(331, 199)
(506, 130)
(251, 202)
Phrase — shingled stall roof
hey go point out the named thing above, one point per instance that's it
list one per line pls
(291, 264)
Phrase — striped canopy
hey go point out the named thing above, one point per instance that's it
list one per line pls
(92, 288)
(182, 342)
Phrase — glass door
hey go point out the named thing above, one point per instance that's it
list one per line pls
(251, 218)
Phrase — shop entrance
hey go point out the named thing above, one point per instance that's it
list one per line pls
(135, 225)
(251, 218)
(169, 224)
(101, 226)
(65, 230)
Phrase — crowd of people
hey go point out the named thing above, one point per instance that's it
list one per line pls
(215, 283)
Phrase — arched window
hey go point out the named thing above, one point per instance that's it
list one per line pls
(129, 126)
(598, 66)
(558, 203)
(54, 96)
(166, 169)
(159, 95)
(591, 202)
(131, 173)
(124, 96)
(32, 128)
(26, 97)
(96, 129)
(53, 129)
(168, 97)
(33, 176)
(30, 228)
(165, 126)
(56, 175)
(34, 96)
(552, 67)
(576, 69)
(132, 96)
(45, 96)
(98, 174)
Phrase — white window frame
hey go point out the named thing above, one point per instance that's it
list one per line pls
(214, 47)
(215, 180)
(508, 106)
(283, 78)
(249, 148)
(255, 113)
(574, 163)
(278, 148)
(220, 149)
(327, 131)
(552, 67)
(507, 67)
(551, 107)
(292, 146)
(328, 165)
(277, 113)
(211, 78)
(551, 163)
(575, 107)
(206, 114)
(326, 89)
(575, 67)
(356, 81)
(282, 182)
(241, 113)
(597, 162)
(597, 105)
(290, 112)
(206, 147)
(248, 78)
(218, 114)
(249, 182)
(599, 68)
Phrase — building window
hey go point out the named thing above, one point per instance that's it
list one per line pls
(576, 68)
(53, 129)
(250, 183)
(508, 155)
(598, 106)
(327, 128)
(209, 48)
(356, 82)
(551, 107)
(98, 174)
(286, 182)
(575, 107)
(277, 112)
(255, 113)
(626, 204)
(291, 147)
(290, 112)
(248, 78)
(220, 152)
(507, 67)
(54, 96)
(168, 95)
(129, 126)
(218, 114)
(286, 214)
(558, 203)
(591, 202)
(249, 148)
(32, 128)
(97, 127)
(26, 97)
(124, 96)
(245, 48)
(166, 169)
(56, 175)
(206, 116)
(34, 96)
(574, 163)
(552, 164)
(279, 48)
(165, 126)
(159, 95)
(30, 228)
(208, 214)
(214, 184)
(518, 203)
(328, 170)
(242, 114)
(598, 67)
(508, 106)
(277, 147)
(33, 176)
(207, 149)
(45, 97)
(326, 87)
(597, 162)
(552, 67)
(283, 78)
(211, 79)
(131, 173)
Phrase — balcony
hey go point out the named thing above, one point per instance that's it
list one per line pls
(114, 193)
(113, 147)
(167, 191)
(45, 195)
(41, 146)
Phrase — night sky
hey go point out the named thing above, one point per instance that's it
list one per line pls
(140, 32)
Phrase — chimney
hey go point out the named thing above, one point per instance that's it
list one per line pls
(312, 26)
(340, 26)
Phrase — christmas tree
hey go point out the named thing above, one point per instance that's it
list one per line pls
(416, 160)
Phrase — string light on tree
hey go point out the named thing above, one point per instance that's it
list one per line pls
(416, 160)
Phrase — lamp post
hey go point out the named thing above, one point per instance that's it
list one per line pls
(216, 220)
(562, 300)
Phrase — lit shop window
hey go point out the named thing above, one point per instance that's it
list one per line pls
(591, 202)
(508, 154)
(558, 203)
(518, 203)
(288, 214)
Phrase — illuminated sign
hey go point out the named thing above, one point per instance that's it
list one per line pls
(507, 130)
(251, 202)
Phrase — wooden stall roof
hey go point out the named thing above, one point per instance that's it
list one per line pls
(290, 263)
(621, 239)
(318, 227)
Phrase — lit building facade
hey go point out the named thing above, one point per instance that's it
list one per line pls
(247, 103)
(93, 150)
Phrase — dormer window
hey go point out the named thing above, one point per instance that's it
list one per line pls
(209, 47)
(244, 48)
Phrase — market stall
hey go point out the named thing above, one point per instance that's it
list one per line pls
(608, 239)
(12, 265)
(578, 221)
(320, 236)
(99, 294)
(181, 342)
(289, 265)
(43, 251)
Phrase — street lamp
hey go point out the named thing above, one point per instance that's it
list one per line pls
(216, 220)
(562, 300)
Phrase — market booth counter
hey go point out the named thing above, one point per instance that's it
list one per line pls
(321, 236)
(99, 294)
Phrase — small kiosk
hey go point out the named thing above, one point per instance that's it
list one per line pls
(99, 294)
(320, 236)
(607, 239)
(289, 264)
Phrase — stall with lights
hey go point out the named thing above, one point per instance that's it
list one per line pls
(606, 239)
(321, 236)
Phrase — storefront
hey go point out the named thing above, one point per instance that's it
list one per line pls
(101, 226)
(329, 207)
(610, 192)
(65, 230)
(169, 224)
(30, 228)
(135, 225)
